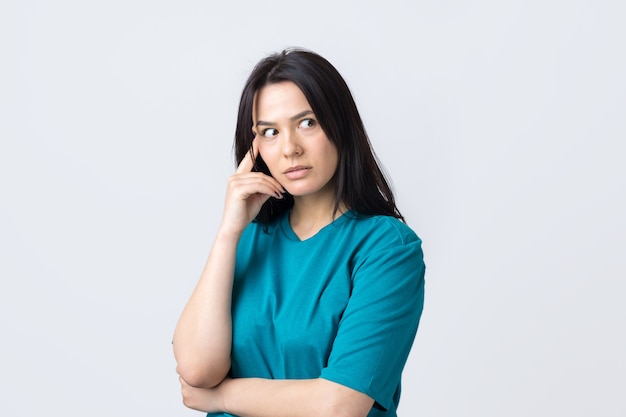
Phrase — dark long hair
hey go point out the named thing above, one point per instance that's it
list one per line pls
(359, 181)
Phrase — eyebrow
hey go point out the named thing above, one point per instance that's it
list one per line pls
(292, 118)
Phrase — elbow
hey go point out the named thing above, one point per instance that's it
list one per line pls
(343, 410)
(340, 401)
(199, 371)
(202, 376)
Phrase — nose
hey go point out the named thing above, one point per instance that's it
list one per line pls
(291, 143)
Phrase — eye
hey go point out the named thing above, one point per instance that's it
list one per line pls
(307, 124)
(269, 133)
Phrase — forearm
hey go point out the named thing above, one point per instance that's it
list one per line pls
(202, 339)
(256, 397)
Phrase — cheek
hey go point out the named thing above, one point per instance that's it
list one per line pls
(268, 156)
(263, 151)
(333, 158)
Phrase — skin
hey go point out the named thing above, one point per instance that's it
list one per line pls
(287, 136)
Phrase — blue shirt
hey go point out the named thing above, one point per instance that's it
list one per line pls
(343, 305)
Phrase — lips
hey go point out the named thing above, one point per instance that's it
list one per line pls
(296, 172)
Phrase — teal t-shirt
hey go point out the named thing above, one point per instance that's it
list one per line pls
(343, 305)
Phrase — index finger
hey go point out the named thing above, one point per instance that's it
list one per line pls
(247, 163)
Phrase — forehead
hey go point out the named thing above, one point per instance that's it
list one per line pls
(279, 100)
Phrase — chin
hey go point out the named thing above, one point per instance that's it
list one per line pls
(300, 191)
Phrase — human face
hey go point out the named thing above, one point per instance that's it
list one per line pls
(292, 143)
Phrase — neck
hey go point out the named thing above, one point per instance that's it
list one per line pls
(309, 215)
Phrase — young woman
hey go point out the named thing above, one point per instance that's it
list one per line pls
(312, 293)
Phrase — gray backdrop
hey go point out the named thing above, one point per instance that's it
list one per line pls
(498, 122)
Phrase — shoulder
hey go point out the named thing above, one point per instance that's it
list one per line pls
(376, 239)
(256, 235)
(384, 231)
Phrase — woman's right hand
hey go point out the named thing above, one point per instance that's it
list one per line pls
(246, 193)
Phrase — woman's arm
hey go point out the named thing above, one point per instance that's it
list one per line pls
(256, 397)
(202, 339)
(203, 335)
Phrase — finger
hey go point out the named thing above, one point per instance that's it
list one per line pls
(255, 182)
(247, 163)
(182, 381)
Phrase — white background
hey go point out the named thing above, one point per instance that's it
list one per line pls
(499, 123)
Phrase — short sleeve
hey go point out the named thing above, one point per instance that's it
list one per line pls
(380, 322)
